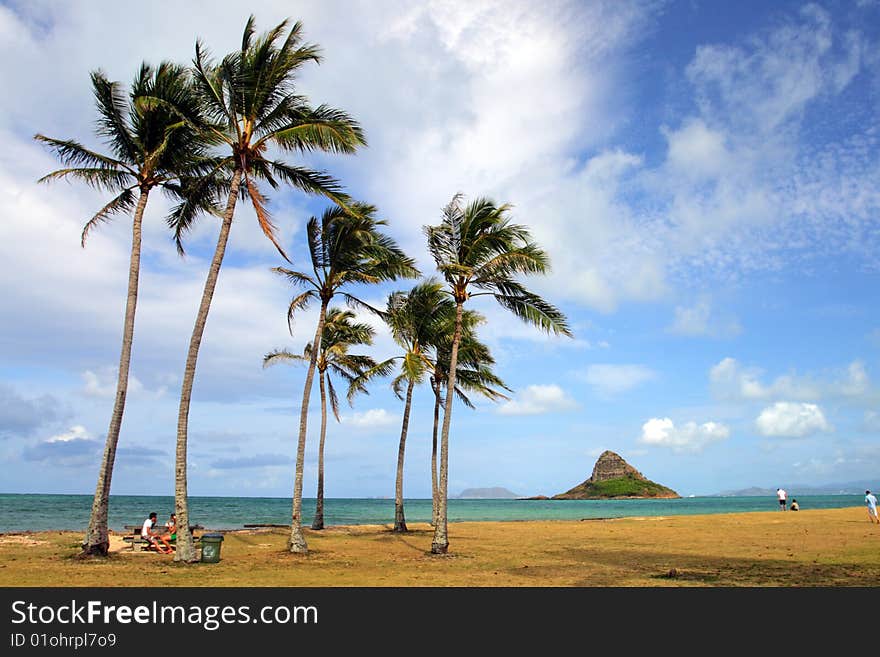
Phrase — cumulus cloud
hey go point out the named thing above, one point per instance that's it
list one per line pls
(373, 418)
(537, 400)
(73, 448)
(21, 416)
(610, 379)
(693, 437)
(792, 420)
(731, 380)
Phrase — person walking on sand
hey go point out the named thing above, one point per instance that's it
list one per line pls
(871, 502)
(780, 494)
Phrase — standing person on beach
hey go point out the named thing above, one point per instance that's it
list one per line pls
(871, 501)
(781, 495)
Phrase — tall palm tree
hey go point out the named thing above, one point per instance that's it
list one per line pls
(476, 246)
(340, 334)
(150, 147)
(415, 319)
(345, 248)
(250, 101)
(474, 375)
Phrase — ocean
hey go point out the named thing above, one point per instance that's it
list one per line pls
(29, 512)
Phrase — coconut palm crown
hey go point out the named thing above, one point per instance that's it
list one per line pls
(250, 103)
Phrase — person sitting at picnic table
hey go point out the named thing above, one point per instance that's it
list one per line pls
(170, 535)
(154, 538)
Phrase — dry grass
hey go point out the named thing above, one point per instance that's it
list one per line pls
(836, 547)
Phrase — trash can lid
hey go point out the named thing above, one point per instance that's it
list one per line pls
(214, 536)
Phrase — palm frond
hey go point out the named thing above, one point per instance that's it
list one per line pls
(534, 310)
(112, 125)
(297, 278)
(125, 202)
(105, 179)
(282, 355)
(320, 129)
(334, 400)
(310, 181)
(74, 154)
(258, 202)
(298, 303)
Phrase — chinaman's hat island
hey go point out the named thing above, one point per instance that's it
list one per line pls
(613, 478)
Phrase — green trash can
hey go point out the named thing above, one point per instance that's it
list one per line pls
(211, 547)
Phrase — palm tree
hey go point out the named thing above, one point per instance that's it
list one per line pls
(476, 246)
(250, 102)
(415, 319)
(340, 333)
(150, 147)
(473, 375)
(345, 247)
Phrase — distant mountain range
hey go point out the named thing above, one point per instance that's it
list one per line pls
(495, 493)
(848, 488)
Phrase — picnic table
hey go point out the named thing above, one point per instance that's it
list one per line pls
(135, 538)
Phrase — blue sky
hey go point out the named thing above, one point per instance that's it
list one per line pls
(704, 176)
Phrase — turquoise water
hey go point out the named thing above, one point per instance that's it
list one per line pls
(41, 512)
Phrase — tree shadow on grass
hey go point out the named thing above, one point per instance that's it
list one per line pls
(622, 567)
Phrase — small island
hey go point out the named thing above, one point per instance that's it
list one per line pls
(614, 478)
(494, 493)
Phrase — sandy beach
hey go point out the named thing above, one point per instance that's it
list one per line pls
(836, 547)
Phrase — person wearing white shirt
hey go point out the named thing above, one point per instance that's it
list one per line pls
(153, 537)
(780, 494)
(871, 502)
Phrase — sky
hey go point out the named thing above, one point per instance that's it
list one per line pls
(705, 177)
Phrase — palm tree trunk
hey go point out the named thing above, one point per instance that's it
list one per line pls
(399, 519)
(186, 550)
(318, 522)
(440, 544)
(96, 541)
(297, 542)
(435, 486)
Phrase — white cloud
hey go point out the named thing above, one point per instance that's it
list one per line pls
(698, 320)
(371, 419)
(610, 379)
(74, 448)
(696, 151)
(537, 400)
(662, 432)
(77, 432)
(103, 383)
(731, 380)
(770, 80)
(792, 420)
